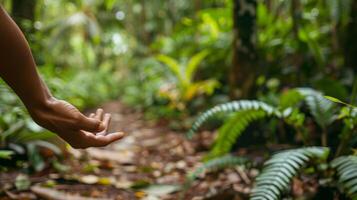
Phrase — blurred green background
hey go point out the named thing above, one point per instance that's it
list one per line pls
(175, 59)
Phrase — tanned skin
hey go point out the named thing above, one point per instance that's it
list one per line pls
(18, 70)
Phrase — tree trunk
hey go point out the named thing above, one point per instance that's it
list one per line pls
(351, 39)
(197, 6)
(243, 71)
(296, 16)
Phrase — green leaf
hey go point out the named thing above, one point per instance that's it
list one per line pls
(140, 184)
(35, 158)
(109, 4)
(323, 110)
(231, 107)
(333, 99)
(173, 65)
(193, 64)
(22, 182)
(26, 136)
(4, 154)
(279, 171)
(346, 171)
(232, 129)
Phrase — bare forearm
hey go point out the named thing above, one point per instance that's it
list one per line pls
(17, 66)
(18, 69)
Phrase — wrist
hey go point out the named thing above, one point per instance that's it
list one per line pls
(41, 105)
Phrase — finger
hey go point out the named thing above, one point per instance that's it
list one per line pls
(90, 124)
(92, 115)
(106, 121)
(103, 140)
(99, 114)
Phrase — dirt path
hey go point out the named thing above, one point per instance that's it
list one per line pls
(150, 163)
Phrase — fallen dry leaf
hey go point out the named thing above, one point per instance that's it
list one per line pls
(52, 194)
(122, 157)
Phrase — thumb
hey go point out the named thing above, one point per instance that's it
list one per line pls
(91, 124)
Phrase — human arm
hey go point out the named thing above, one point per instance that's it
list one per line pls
(18, 70)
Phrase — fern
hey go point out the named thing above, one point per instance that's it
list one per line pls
(290, 98)
(216, 164)
(346, 167)
(229, 108)
(212, 165)
(281, 168)
(232, 129)
(321, 108)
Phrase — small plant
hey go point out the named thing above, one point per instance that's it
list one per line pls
(244, 112)
(279, 171)
(185, 87)
(210, 166)
(346, 171)
(19, 135)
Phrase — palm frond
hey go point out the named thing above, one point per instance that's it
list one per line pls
(278, 171)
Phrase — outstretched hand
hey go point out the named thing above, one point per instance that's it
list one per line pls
(71, 125)
(58, 116)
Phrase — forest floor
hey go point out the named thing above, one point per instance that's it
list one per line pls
(150, 163)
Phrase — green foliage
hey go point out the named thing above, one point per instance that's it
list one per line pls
(289, 110)
(77, 53)
(346, 167)
(216, 164)
(4, 154)
(278, 171)
(333, 99)
(15, 123)
(232, 129)
(230, 108)
(323, 110)
(185, 88)
(84, 89)
(290, 98)
(23, 136)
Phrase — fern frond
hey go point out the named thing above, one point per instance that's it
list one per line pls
(290, 98)
(321, 109)
(346, 167)
(212, 165)
(216, 164)
(232, 129)
(229, 108)
(281, 168)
